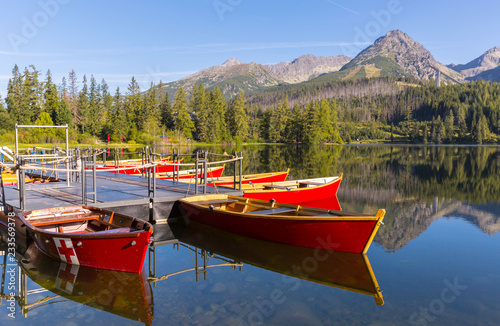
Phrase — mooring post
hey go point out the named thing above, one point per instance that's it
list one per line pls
(205, 165)
(21, 182)
(84, 181)
(94, 174)
(154, 175)
(143, 160)
(241, 169)
(235, 156)
(196, 173)
(116, 161)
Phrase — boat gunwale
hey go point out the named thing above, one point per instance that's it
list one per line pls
(262, 190)
(245, 201)
(96, 235)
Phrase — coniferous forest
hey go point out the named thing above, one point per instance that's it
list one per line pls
(378, 109)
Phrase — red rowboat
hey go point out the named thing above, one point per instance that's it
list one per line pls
(284, 223)
(318, 192)
(343, 270)
(213, 172)
(163, 166)
(247, 179)
(90, 236)
(128, 295)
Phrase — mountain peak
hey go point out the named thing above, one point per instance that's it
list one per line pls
(231, 62)
(487, 61)
(306, 67)
(396, 53)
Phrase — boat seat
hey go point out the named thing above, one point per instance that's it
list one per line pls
(273, 211)
(276, 187)
(119, 230)
(218, 201)
(62, 220)
(311, 183)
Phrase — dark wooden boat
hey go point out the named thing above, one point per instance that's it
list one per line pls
(290, 224)
(128, 295)
(317, 192)
(342, 270)
(90, 236)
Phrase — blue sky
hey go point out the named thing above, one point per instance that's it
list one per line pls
(169, 39)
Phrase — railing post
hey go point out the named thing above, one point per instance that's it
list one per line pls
(235, 156)
(241, 169)
(196, 173)
(205, 165)
(21, 183)
(94, 174)
(116, 161)
(84, 182)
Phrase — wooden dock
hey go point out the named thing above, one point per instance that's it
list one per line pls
(127, 194)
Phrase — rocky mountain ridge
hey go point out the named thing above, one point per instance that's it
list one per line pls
(394, 54)
(489, 60)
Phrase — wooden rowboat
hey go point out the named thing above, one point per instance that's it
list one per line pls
(318, 192)
(247, 179)
(90, 236)
(213, 172)
(9, 178)
(133, 166)
(284, 223)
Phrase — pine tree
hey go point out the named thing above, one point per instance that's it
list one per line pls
(449, 126)
(32, 93)
(334, 120)
(200, 109)
(63, 114)
(120, 123)
(166, 112)
(6, 122)
(238, 123)
(107, 104)
(324, 118)
(17, 107)
(134, 105)
(83, 106)
(297, 124)
(312, 133)
(51, 97)
(217, 108)
(151, 119)
(95, 115)
(73, 97)
(183, 121)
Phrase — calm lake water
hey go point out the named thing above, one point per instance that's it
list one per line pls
(435, 261)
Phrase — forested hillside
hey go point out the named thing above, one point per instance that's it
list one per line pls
(317, 111)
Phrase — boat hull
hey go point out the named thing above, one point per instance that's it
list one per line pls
(256, 178)
(314, 196)
(212, 173)
(97, 252)
(346, 234)
(82, 236)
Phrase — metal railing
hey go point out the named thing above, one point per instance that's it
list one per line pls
(82, 162)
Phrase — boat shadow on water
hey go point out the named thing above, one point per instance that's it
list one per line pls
(124, 294)
(346, 271)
